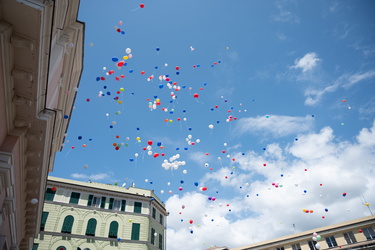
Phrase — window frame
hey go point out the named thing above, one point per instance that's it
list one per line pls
(123, 205)
(152, 236)
(331, 241)
(113, 230)
(296, 246)
(311, 245)
(91, 227)
(43, 220)
(160, 241)
(49, 194)
(369, 233)
(349, 237)
(154, 213)
(136, 230)
(161, 219)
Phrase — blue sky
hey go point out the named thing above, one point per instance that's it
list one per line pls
(284, 119)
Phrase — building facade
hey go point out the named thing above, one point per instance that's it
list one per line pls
(92, 216)
(354, 234)
(41, 52)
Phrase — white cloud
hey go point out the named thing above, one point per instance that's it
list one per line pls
(93, 177)
(311, 173)
(346, 81)
(276, 125)
(285, 16)
(307, 62)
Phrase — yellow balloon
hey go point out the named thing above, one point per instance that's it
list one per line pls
(125, 57)
(138, 138)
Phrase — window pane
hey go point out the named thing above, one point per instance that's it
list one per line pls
(43, 222)
(349, 237)
(152, 236)
(35, 246)
(369, 233)
(160, 241)
(296, 247)
(153, 213)
(96, 201)
(135, 231)
(161, 219)
(137, 207)
(311, 245)
(331, 242)
(117, 205)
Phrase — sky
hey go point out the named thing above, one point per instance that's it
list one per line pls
(249, 119)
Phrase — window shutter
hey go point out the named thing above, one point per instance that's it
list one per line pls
(102, 204)
(111, 203)
(123, 204)
(74, 198)
(160, 241)
(137, 207)
(49, 195)
(68, 224)
(43, 222)
(152, 236)
(135, 231)
(91, 227)
(89, 201)
(113, 229)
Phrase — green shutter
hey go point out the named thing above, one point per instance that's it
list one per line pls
(89, 201)
(161, 219)
(160, 241)
(152, 236)
(137, 207)
(111, 203)
(74, 198)
(153, 213)
(44, 219)
(123, 204)
(35, 246)
(91, 227)
(68, 224)
(49, 195)
(135, 231)
(113, 227)
(102, 204)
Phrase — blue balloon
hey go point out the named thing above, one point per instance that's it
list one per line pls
(186, 148)
(157, 49)
(114, 59)
(131, 159)
(98, 78)
(177, 73)
(156, 67)
(66, 116)
(182, 181)
(159, 144)
(108, 93)
(123, 32)
(196, 184)
(161, 86)
(131, 71)
(79, 137)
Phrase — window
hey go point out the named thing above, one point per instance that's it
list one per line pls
(94, 201)
(74, 198)
(135, 231)
(153, 213)
(137, 207)
(61, 248)
(113, 228)
(110, 205)
(117, 205)
(49, 195)
(91, 227)
(68, 224)
(311, 245)
(152, 236)
(161, 219)
(369, 233)
(279, 248)
(89, 201)
(102, 203)
(123, 204)
(331, 242)
(350, 238)
(44, 219)
(296, 247)
(35, 246)
(160, 241)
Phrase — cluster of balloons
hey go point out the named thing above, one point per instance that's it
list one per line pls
(315, 238)
(173, 163)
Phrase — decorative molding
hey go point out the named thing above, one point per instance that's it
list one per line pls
(19, 100)
(20, 42)
(20, 74)
(22, 123)
(34, 136)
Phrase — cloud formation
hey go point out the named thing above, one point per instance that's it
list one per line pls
(275, 125)
(267, 201)
(307, 62)
(93, 177)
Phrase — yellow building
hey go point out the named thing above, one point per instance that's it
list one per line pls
(354, 234)
(93, 216)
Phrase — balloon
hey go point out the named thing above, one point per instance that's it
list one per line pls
(141, 5)
(318, 237)
(210, 126)
(184, 171)
(34, 201)
(196, 95)
(196, 184)
(128, 51)
(317, 246)
(204, 188)
(191, 221)
(54, 189)
(180, 188)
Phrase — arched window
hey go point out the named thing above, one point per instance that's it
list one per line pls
(91, 226)
(113, 227)
(61, 248)
(68, 224)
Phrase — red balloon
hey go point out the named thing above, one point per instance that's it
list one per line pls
(53, 189)
(156, 155)
(196, 95)
(142, 5)
(177, 68)
(149, 142)
(191, 221)
(204, 188)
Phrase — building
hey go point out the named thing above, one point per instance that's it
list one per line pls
(88, 215)
(41, 52)
(354, 234)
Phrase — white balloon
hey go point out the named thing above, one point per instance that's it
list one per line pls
(317, 246)
(162, 191)
(149, 152)
(34, 201)
(146, 180)
(225, 144)
(211, 126)
(198, 141)
(184, 171)
(128, 51)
